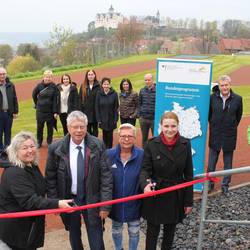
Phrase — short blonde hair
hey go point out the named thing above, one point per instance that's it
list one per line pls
(3, 70)
(15, 145)
(127, 126)
(48, 72)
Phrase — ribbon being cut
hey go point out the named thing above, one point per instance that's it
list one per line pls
(100, 204)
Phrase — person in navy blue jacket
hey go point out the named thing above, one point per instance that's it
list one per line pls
(146, 110)
(126, 160)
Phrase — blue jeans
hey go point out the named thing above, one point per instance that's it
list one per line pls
(227, 159)
(133, 232)
(6, 120)
(94, 230)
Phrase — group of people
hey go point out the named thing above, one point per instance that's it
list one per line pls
(98, 100)
(79, 171)
(82, 169)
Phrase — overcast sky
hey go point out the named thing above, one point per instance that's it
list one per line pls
(41, 15)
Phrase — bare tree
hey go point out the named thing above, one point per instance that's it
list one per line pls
(236, 29)
(129, 33)
(59, 36)
(209, 34)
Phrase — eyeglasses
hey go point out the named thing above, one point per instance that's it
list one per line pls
(129, 137)
(78, 127)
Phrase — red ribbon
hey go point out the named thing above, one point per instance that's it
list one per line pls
(101, 204)
(213, 179)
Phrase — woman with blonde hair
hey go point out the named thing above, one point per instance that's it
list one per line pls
(45, 97)
(22, 188)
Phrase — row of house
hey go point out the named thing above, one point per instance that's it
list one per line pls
(187, 45)
(195, 45)
(230, 46)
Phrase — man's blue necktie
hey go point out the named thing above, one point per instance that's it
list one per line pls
(80, 174)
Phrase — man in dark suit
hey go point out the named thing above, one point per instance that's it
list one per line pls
(77, 167)
(8, 108)
(225, 113)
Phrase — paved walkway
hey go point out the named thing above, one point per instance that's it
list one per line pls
(58, 239)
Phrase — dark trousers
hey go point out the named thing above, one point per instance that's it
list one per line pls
(94, 230)
(107, 137)
(227, 159)
(93, 128)
(40, 126)
(153, 233)
(17, 248)
(146, 125)
(6, 120)
(63, 119)
(128, 120)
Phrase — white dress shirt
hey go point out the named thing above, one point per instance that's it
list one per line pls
(73, 153)
(224, 98)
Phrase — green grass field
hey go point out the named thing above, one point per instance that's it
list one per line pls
(222, 65)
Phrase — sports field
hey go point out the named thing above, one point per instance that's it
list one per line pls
(134, 68)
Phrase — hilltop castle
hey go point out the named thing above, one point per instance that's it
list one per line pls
(108, 20)
(111, 19)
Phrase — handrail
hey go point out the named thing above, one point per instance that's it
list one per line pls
(225, 172)
(204, 200)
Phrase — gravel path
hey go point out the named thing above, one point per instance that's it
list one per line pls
(218, 236)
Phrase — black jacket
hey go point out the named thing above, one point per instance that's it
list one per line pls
(146, 108)
(223, 123)
(87, 104)
(45, 97)
(106, 107)
(98, 179)
(167, 168)
(73, 98)
(11, 97)
(23, 189)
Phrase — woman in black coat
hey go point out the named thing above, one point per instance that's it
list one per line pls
(67, 99)
(107, 111)
(87, 95)
(22, 188)
(45, 97)
(167, 162)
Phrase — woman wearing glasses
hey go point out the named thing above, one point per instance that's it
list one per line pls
(22, 188)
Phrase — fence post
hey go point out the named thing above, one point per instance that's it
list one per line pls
(203, 214)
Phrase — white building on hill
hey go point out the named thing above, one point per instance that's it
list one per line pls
(108, 20)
